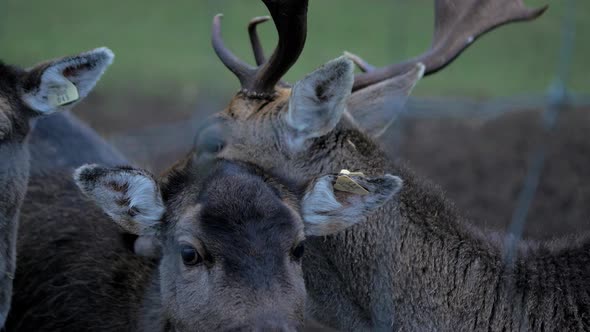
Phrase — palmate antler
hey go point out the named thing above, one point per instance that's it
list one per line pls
(458, 23)
(290, 18)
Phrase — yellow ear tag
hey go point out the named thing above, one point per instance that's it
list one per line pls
(62, 94)
(345, 183)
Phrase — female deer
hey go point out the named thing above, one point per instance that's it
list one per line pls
(26, 94)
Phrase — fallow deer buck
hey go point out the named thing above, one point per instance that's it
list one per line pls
(415, 264)
(26, 94)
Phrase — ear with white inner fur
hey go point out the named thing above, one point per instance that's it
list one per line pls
(318, 101)
(376, 107)
(131, 197)
(61, 83)
(327, 210)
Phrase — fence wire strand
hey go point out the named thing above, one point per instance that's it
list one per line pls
(557, 100)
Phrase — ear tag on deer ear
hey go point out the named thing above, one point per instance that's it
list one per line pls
(63, 93)
(345, 183)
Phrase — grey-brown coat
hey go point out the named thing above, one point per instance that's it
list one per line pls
(24, 95)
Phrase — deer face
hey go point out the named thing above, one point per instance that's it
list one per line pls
(231, 235)
(232, 258)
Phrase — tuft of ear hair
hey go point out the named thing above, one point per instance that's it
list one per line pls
(327, 210)
(131, 197)
(375, 108)
(318, 100)
(61, 83)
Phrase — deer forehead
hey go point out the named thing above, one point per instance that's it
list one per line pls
(187, 221)
(226, 205)
(229, 236)
(244, 107)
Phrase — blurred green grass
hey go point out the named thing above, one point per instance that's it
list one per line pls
(163, 48)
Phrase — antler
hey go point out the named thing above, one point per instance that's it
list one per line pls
(255, 41)
(290, 18)
(458, 23)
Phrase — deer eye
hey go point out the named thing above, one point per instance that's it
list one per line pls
(213, 145)
(190, 256)
(297, 252)
(211, 139)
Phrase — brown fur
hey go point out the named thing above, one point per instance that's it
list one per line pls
(99, 275)
(75, 267)
(415, 265)
(24, 95)
(14, 172)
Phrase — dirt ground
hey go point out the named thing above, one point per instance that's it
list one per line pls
(480, 164)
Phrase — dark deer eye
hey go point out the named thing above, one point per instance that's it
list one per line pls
(298, 251)
(190, 255)
(213, 145)
(211, 139)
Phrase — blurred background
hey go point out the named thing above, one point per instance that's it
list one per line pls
(504, 129)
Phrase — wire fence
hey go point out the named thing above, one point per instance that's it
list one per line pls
(139, 143)
(557, 99)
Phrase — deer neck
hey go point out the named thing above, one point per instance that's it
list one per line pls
(387, 266)
(372, 271)
(447, 275)
(416, 265)
(14, 171)
(14, 174)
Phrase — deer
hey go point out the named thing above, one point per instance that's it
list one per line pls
(231, 245)
(79, 271)
(415, 264)
(219, 268)
(25, 95)
(340, 301)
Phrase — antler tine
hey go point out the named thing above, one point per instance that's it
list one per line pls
(290, 19)
(458, 23)
(255, 41)
(242, 70)
(363, 65)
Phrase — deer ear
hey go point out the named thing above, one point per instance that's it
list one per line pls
(59, 84)
(327, 210)
(318, 101)
(374, 108)
(131, 197)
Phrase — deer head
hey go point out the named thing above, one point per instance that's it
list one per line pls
(230, 235)
(326, 120)
(46, 88)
